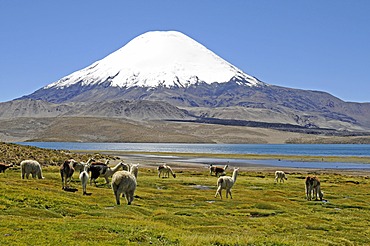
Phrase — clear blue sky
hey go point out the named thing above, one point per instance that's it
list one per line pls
(316, 45)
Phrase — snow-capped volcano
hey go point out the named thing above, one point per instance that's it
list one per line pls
(157, 58)
(167, 75)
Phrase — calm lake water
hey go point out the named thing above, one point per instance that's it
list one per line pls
(362, 150)
(271, 149)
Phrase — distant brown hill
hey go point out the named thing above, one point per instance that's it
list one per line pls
(232, 100)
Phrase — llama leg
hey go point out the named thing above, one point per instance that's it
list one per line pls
(307, 193)
(116, 194)
(228, 192)
(131, 195)
(83, 185)
(321, 195)
(313, 193)
(117, 198)
(218, 192)
(128, 199)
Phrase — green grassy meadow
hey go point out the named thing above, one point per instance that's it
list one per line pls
(183, 211)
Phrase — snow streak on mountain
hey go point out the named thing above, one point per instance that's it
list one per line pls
(158, 58)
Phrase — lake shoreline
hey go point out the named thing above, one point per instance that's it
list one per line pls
(245, 161)
(303, 158)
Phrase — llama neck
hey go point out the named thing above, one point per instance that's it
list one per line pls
(114, 169)
(134, 171)
(235, 174)
(86, 168)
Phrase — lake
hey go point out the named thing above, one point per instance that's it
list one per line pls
(360, 150)
(269, 149)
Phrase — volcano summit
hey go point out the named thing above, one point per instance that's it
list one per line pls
(157, 59)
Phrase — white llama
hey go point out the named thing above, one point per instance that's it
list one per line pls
(226, 182)
(280, 175)
(84, 177)
(124, 182)
(31, 167)
(166, 170)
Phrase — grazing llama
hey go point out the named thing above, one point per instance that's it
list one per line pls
(4, 166)
(166, 170)
(66, 171)
(280, 175)
(84, 177)
(31, 167)
(226, 182)
(313, 188)
(124, 182)
(217, 170)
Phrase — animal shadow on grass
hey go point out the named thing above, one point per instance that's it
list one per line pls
(87, 194)
(70, 189)
(101, 185)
